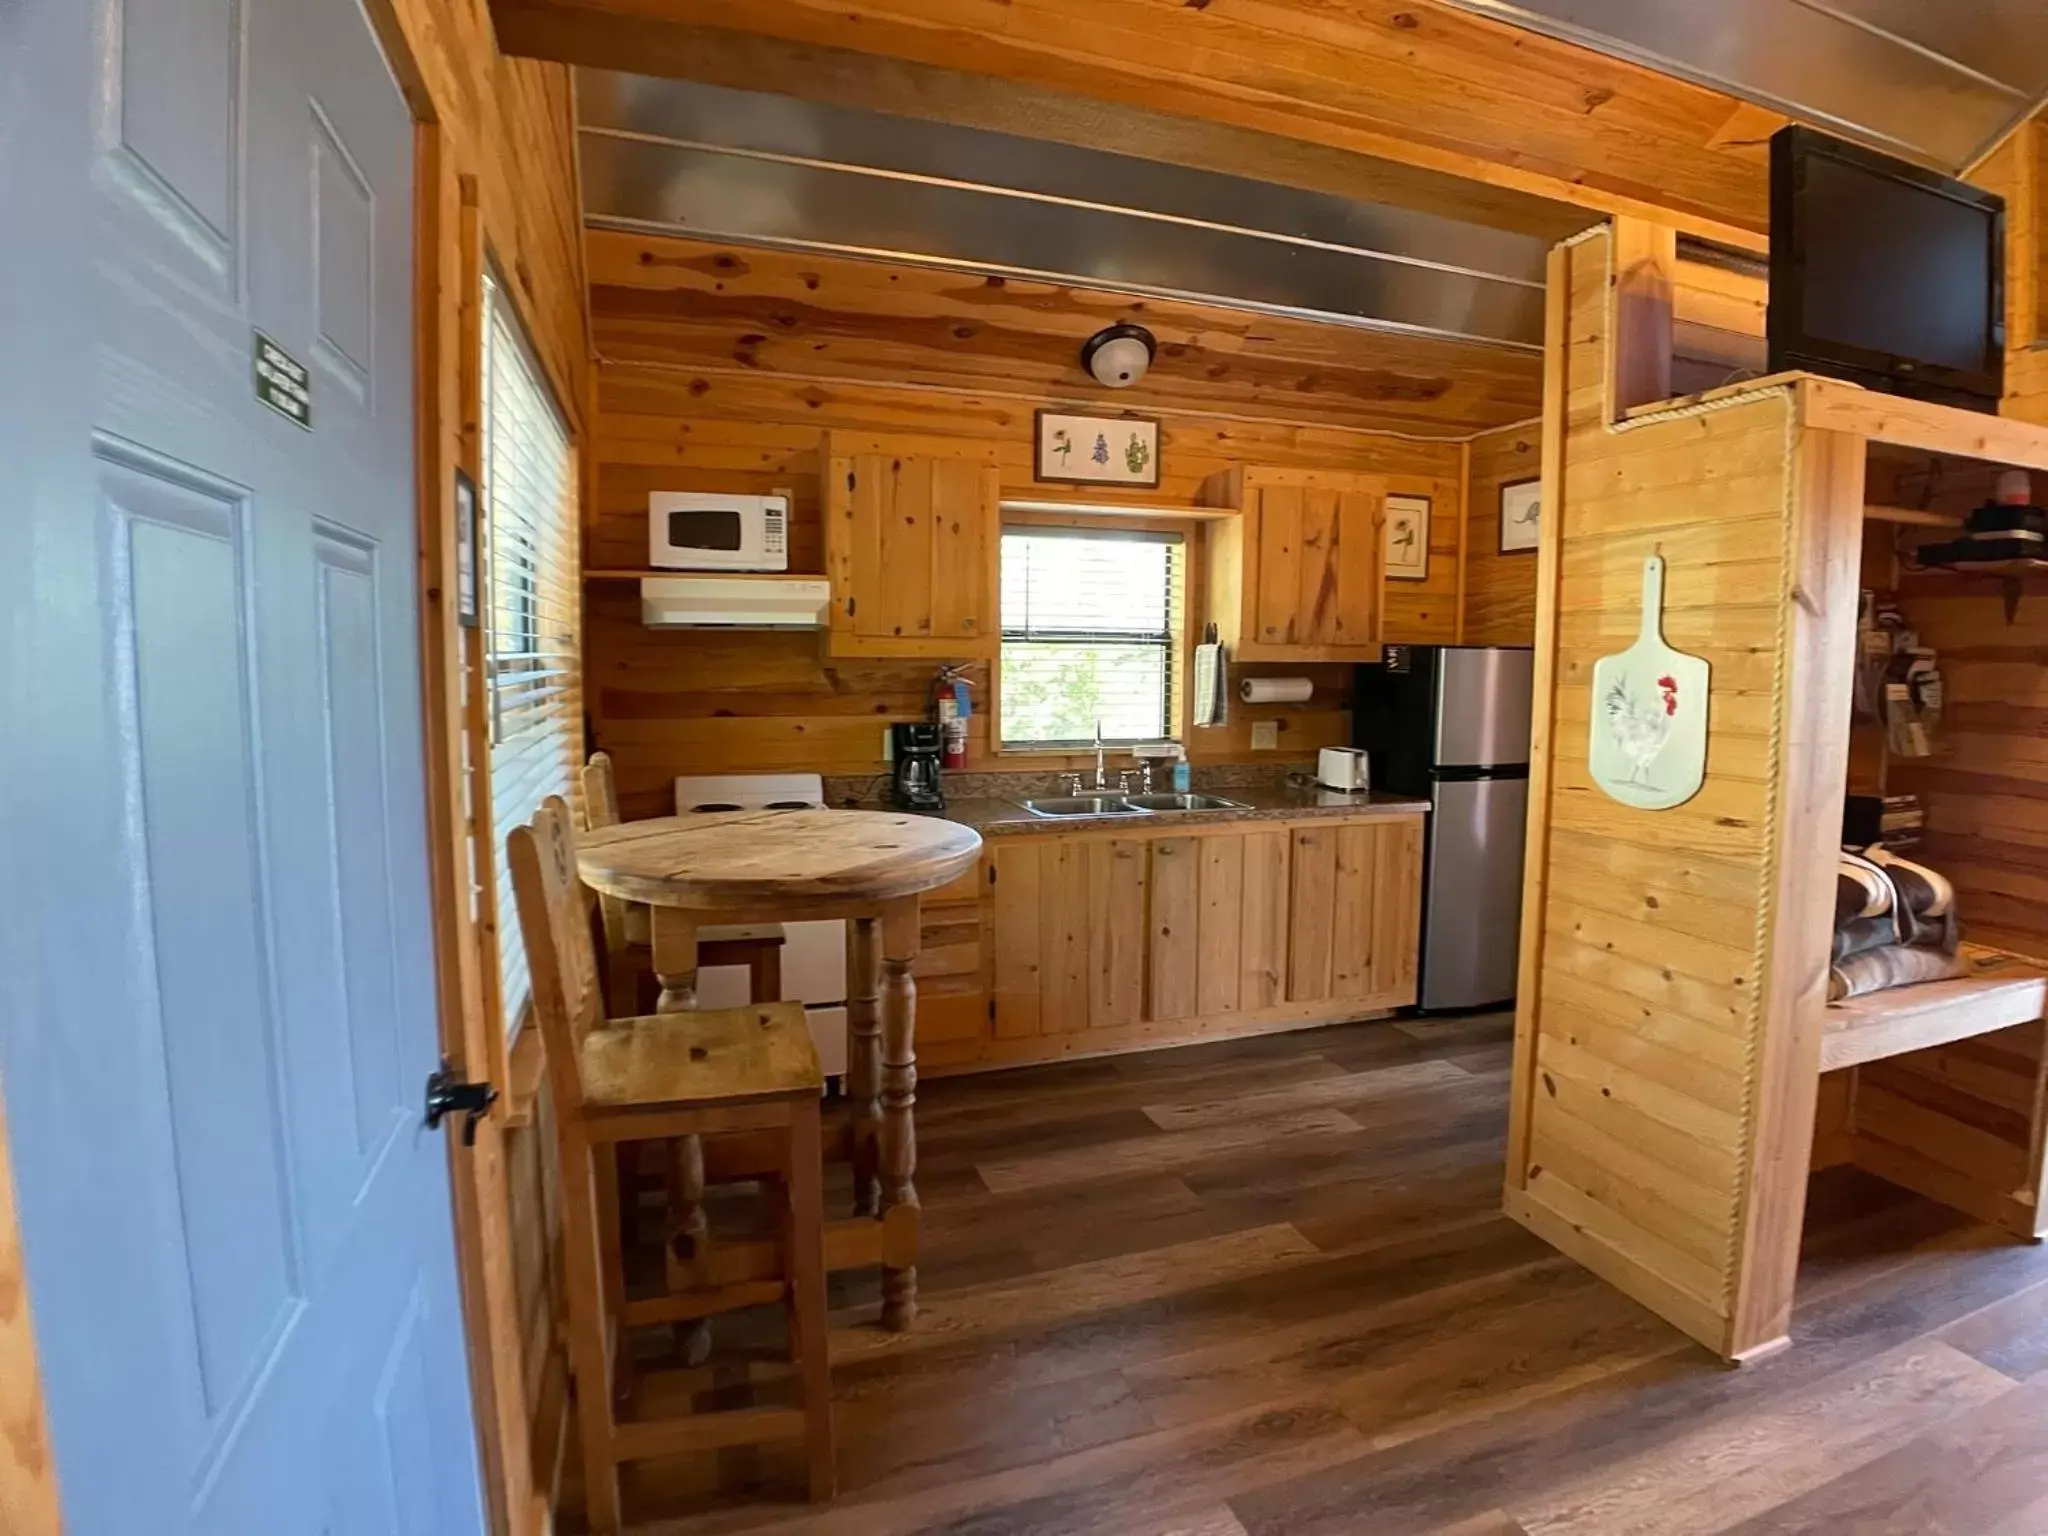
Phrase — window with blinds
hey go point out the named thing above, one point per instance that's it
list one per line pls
(531, 611)
(1088, 621)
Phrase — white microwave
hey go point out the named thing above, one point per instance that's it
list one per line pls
(710, 531)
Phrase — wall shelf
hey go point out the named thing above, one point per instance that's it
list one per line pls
(1910, 517)
(1113, 509)
(650, 574)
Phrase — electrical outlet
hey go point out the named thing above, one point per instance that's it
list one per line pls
(888, 745)
(1265, 735)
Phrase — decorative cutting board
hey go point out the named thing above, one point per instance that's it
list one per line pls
(1648, 745)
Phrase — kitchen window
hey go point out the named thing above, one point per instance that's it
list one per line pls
(530, 608)
(1088, 636)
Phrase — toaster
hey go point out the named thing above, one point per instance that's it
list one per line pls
(1343, 768)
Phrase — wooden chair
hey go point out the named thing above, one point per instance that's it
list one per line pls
(628, 937)
(666, 1077)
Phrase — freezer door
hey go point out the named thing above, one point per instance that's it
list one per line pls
(1472, 909)
(1482, 706)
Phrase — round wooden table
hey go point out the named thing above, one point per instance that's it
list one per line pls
(867, 867)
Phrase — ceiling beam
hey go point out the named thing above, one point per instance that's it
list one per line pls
(1412, 104)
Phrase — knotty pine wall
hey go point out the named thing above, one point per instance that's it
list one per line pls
(1500, 590)
(1986, 790)
(773, 350)
(1717, 334)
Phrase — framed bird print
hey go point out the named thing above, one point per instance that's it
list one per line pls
(1521, 517)
(1408, 538)
(1648, 741)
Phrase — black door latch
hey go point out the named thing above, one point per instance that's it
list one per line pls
(447, 1096)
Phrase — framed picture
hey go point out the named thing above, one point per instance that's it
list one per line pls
(1097, 450)
(467, 609)
(1408, 538)
(1521, 516)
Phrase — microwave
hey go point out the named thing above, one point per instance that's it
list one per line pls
(710, 531)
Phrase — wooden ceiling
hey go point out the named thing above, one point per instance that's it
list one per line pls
(1443, 102)
(724, 311)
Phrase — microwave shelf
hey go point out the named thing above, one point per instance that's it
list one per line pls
(612, 573)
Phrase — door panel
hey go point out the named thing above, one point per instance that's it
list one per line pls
(1483, 706)
(1176, 907)
(1279, 565)
(1472, 930)
(221, 1004)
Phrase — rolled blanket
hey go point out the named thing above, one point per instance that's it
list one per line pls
(1862, 889)
(1924, 904)
(1893, 965)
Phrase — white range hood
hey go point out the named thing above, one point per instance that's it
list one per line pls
(734, 602)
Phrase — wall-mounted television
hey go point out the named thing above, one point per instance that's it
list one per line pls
(1884, 273)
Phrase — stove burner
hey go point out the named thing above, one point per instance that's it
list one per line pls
(714, 805)
(787, 805)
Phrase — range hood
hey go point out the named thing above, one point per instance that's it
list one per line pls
(734, 602)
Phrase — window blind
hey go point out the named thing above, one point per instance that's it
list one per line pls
(1088, 621)
(531, 609)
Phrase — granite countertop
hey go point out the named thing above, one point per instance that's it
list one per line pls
(993, 816)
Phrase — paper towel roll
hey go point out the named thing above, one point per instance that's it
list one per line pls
(1275, 690)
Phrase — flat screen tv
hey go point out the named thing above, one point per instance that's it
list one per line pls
(1884, 273)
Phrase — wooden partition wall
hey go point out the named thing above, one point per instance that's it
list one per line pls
(1673, 969)
(1673, 989)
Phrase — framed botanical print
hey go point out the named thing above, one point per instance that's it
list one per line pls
(1408, 538)
(1097, 450)
(1521, 516)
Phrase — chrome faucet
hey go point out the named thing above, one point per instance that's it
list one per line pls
(1101, 760)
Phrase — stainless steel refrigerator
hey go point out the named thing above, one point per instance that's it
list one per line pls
(1450, 724)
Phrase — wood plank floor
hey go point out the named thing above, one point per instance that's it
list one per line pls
(1264, 1289)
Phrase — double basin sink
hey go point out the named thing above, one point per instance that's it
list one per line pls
(1062, 806)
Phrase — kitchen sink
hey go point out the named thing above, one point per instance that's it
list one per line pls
(1084, 805)
(1128, 805)
(1173, 802)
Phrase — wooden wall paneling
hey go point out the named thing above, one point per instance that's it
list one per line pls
(1961, 1124)
(1554, 120)
(1500, 590)
(1666, 1185)
(819, 320)
(28, 1472)
(1176, 896)
(667, 702)
(1639, 349)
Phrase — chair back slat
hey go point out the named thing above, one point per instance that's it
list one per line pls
(600, 792)
(554, 921)
(601, 809)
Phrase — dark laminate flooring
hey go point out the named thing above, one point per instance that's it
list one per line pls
(1264, 1289)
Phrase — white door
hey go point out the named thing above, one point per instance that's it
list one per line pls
(216, 965)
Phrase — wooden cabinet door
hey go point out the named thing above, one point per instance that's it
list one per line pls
(1067, 931)
(1313, 566)
(1355, 910)
(911, 529)
(1218, 936)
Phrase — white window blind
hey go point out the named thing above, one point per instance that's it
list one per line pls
(531, 608)
(1087, 635)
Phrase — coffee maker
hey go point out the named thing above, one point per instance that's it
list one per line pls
(918, 746)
